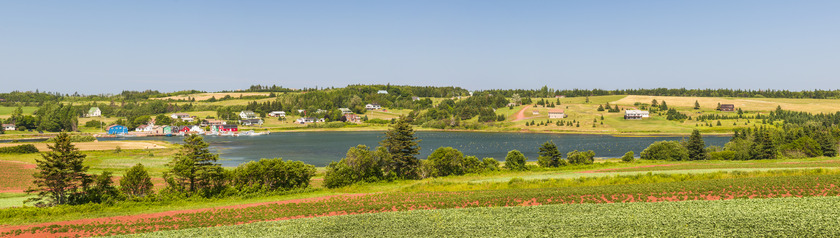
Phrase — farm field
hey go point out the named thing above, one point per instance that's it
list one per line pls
(729, 218)
(819, 183)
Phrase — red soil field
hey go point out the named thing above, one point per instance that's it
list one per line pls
(15, 176)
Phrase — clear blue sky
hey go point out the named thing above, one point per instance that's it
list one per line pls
(110, 46)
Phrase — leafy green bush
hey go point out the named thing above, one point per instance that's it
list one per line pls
(490, 164)
(581, 157)
(723, 155)
(515, 160)
(628, 157)
(93, 123)
(272, 174)
(19, 149)
(665, 150)
(359, 165)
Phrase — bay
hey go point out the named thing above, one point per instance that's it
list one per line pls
(320, 148)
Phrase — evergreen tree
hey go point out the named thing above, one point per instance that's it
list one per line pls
(664, 106)
(696, 104)
(550, 156)
(696, 146)
(194, 169)
(136, 182)
(61, 174)
(762, 147)
(600, 108)
(402, 144)
(654, 103)
(828, 144)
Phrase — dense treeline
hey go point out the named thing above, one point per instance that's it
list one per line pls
(768, 93)
(449, 113)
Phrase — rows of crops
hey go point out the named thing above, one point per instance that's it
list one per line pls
(779, 217)
(726, 165)
(15, 177)
(722, 189)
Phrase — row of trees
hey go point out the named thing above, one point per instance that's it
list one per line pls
(768, 93)
(62, 177)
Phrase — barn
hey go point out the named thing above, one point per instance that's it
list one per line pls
(116, 129)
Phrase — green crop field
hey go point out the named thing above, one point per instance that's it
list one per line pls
(779, 217)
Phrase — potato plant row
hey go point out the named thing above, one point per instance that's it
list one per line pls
(721, 189)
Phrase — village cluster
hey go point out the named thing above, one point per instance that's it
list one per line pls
(214, 126)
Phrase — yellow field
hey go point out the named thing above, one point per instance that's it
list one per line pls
(746, 104)
(205, 96)
(103, 145)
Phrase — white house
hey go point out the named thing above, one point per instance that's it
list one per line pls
(94, 112)
(636, 114)
(382, 92)
(183, 116)
(9, 127)
(304, 120)
(247, 115)
(373, 106)
(345, 110)
(251, 122)
(277, 114)
(536, 112)
(196, 129)
(556, 113)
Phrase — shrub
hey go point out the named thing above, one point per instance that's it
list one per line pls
(19, 149)
(665, 150)
(628, 157)
(723, 155)
(93, 123)
(446, 161)
(515, 160)
(490, 164)
(581, 157)
(272, 174)
(359, 164)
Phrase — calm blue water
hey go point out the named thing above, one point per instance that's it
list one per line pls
(319, 148)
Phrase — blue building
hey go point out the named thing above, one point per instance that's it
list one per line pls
(117, 129)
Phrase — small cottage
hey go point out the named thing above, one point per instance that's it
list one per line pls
(373, 106)
(635, 114)
(251, 122)
(352, 117)
(9, 127)
(94, 112)
(382, 92)
(304, 120)
(556, 113)
(247, 115)
(345, 110)
(727, 107)
(277, 114)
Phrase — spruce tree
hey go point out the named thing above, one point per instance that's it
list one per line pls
(61, 174)
(696, 146)
(136, 182)
(402, 144)
(549, 155)
(194, 169)
(696, 104)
